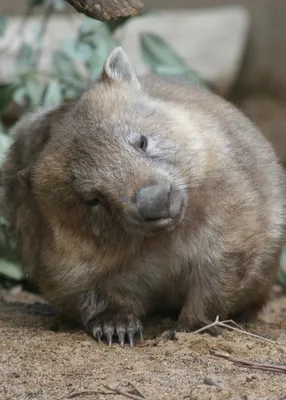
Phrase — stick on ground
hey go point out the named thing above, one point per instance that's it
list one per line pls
(251, 364)
(225, 324)
(136, 390)
(73, 394)
(126, 394)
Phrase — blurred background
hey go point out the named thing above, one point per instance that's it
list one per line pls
(49, 52)
(267, 37)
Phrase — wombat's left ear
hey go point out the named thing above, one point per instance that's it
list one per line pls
(24, 177)
(118, 67)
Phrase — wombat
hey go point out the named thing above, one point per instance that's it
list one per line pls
(146, 194)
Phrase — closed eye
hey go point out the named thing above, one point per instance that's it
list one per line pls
(93, 202)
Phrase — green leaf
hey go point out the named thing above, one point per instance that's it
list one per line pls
(70, 92)
(34, 3)
(113, 24)
(93, 32)
(167, 70)
(78, 51)
(6, 94)
(5, 142)
(163, 60)
(25, 59)
(65, 67)
(89, 28)
(20, 95)
(3, 25)
(156, 52)
(99, 55)
(96, 35)
(34, 91)
(59, 5)
(282, 272)
(11, 270)
(53, 94)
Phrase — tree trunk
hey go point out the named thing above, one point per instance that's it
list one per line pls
(107, 9)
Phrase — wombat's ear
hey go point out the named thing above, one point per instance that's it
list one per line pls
(118, 67)
(24, 177)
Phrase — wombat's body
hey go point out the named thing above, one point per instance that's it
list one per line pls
(142, 196)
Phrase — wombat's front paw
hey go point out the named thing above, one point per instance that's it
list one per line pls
(107, 326)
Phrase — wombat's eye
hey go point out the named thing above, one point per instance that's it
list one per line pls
(93, 202)
(143, 143)
(140, 142)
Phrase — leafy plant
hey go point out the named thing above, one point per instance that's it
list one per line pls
(282, 272)
(163, 60)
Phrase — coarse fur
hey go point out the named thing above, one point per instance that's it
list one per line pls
(96, 264)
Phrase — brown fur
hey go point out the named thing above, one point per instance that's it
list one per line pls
(93, 264)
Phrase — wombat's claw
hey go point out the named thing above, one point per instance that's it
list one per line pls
(109, 334)
(140, 331)
(129, 328)
(97, 333)
(121, 336)
(172, 335)
(131, 333)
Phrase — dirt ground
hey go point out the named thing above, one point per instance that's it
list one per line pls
(40, 359)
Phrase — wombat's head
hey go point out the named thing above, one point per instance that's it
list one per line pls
(112, 160)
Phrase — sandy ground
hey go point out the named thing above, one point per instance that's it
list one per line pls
(40, 359)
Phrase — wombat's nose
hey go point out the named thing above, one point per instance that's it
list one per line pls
(153, 202)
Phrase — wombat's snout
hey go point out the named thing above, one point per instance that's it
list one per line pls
(153, 202)
(158, 205)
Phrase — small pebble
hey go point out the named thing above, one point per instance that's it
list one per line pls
(211, 382)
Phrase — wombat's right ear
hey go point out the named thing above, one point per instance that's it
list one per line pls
(118, 67)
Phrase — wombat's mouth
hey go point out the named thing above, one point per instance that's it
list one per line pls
(156, 208)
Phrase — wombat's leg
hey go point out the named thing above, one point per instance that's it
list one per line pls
(103, 318)
(203, 304)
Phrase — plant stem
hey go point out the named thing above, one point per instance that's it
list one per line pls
(20, 29)
(49, 9)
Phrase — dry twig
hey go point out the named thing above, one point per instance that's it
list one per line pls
(224, 324)
(126, 394)
(251, 364)
(137, 390)
(73, 394)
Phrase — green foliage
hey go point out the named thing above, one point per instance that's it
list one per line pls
(10, 265)
(163, 60)
(7, 92)
(282, 272)
(3, 25)
(113, 24)
(4, 144)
